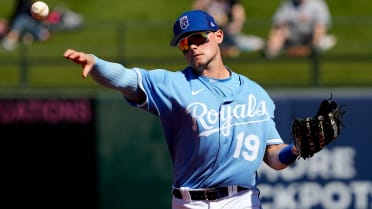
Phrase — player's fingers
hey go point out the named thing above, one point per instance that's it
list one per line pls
(88, 65)
(86, 70)
(76, 56)
(73, 56)
(68, 53)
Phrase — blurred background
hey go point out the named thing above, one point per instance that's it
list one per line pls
(70, 143)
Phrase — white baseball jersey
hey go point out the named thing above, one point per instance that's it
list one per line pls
(216, 130)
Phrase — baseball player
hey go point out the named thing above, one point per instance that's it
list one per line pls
(218, 124)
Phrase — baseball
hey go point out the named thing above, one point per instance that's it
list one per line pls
(39, 10)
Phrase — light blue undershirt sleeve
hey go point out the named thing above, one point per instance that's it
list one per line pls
(116, 76)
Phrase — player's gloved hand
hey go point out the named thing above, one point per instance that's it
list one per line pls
(312, 134)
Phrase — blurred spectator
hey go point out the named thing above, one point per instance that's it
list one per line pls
(299, 27)
(230, 15)
(23, 27)
(63, 19)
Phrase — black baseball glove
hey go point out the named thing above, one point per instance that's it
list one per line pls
(310, 135)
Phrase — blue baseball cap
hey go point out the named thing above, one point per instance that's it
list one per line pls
(191, 22)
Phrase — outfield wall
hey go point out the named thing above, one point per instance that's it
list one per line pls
(98, 152)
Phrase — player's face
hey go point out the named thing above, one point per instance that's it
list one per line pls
(202, 49)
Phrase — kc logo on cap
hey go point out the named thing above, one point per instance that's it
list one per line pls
(184, 22)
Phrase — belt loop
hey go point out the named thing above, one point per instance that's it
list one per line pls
(185, 193)
(232, 190)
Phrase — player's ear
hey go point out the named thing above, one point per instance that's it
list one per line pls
(219, 36)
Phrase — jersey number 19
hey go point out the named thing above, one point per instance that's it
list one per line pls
(247, 146)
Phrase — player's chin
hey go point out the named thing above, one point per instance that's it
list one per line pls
(198, 68)
(198, 61)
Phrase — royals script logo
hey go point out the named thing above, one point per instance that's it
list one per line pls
(229, 116)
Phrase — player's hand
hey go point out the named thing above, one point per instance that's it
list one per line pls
(85, 60)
